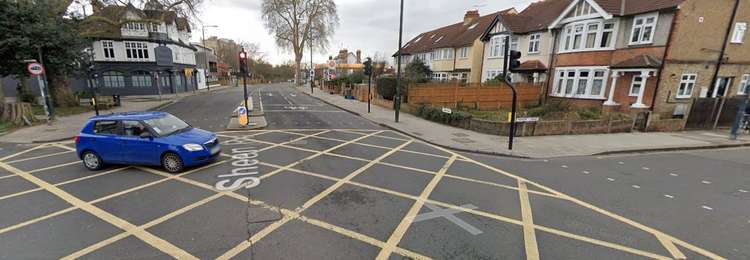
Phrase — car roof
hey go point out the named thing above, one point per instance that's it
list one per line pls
(131, 116)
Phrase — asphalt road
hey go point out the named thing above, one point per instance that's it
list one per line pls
(332, 185)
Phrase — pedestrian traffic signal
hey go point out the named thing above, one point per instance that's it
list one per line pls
(514, 62)
(243, 61)
(368, 67)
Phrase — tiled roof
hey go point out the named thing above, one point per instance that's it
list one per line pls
(631, 7)
(532, 65)
(536, 17)
(639, 62)
(455, 35)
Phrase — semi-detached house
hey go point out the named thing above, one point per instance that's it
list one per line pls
(453, 52)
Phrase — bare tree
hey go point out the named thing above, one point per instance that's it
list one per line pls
(299, 24)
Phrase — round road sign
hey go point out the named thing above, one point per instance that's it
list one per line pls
(331, 64)
(35, 68)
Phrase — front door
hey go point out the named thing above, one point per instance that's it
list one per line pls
(721, 87)
(136, 149)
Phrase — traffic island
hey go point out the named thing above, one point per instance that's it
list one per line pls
(255, 123)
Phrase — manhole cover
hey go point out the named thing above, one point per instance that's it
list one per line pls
(463, 140)
(460, 134)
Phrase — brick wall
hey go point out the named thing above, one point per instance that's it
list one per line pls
(472, 95)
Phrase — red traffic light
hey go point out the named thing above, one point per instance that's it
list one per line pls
(243, 55)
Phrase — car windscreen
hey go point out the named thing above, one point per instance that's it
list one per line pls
(166, 125)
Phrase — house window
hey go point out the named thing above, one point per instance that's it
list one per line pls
(583, 82)
(135, 26)
(136, 50)
(588, 35)
(534, 42)
(141, 79)
(687, 83)
(643, 29)
(739, 32)
(113, 79)
(514, 43)
(440, 76)
(492, 74)
(443, 54)
(744, 85)
(109, 49)
(496, 45)
(463, 53)
(635, 86)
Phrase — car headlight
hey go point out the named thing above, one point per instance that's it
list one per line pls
(193, 147)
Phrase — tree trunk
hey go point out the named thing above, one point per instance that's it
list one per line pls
(18, 113)
(297, 69)
(2, 93)
(61, 92)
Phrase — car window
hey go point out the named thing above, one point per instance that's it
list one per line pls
(167, 125)
(107, 128)
(133, 128)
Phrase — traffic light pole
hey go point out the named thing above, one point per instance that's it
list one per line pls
(312, 69)
(244, 85)
(506, 64)
(369, 95)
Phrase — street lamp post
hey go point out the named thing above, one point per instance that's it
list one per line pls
(397, 103)
(312, 69)
(203, 39)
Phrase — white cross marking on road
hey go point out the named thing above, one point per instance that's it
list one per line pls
(448, 213)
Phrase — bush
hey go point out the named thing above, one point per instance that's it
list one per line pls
(437, 115)
(357, 78)
(387, 87)
(552, 107)
(591, 113)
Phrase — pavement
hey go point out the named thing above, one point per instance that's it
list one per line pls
(323, 183)
(67, 127)
(535, 146)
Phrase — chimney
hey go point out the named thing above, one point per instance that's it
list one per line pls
(470, 17)
(359, 56)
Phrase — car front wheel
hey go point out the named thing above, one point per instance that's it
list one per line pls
(92, 161)
(172, 163)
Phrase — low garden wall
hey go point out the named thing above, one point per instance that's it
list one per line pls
(541, 128)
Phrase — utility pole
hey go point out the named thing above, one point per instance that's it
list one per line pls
(397, 103)
(312, 69)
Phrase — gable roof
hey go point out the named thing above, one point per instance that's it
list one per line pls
(632, 7)
(454, 35)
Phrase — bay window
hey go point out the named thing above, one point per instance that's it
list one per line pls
(588, 35)
(496, 46)
(644, 27)
(580, 82)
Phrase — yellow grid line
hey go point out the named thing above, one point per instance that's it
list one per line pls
(529, 235)
(60, 184)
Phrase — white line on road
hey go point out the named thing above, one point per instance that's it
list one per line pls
(586, 172)
(743, 191)
(610, 179)
(646, 168)
(674, 174)
(621, 163)
(707, 207)
(706, 182)
(669, 196)
(636, 186)
(564, 166)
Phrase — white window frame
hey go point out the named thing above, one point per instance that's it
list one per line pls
(740, 29)
(138, 51)
(686, 80)
(744, 85)
(108, 49)
(496, 46)
(642, 28)
(463, 53)
(135, 26)
(535, 41)
(568, 34)
(632, 92)
(572, 76)
(113, 79)
(491, 74)
(440, 76)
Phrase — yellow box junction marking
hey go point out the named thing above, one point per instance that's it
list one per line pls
(529, 235)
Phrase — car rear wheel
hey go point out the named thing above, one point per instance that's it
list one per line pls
(92, 161)
(172, 163)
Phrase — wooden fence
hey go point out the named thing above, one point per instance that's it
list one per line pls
(477, 96)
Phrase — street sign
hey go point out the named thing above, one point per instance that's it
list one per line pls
(163, 56)
(447, 110)
(35, 68)
(242, 115)
(312, 74)
(527, 119)
(332, 64)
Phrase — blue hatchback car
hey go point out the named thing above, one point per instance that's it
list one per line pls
(145, 138)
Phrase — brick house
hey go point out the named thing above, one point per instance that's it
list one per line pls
(608, 53)
(694, 66)
(529, 35)
(453, 52)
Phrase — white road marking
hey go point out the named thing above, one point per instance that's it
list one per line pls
(706, 182)
(636, 186)
(646, 168)
(564, 166)
(707, 207)
(669, 196)
(546, 161)
(743, 191)
(621, 163)
(674, 174)
(449, 214)
(610, 179)
(586, 172)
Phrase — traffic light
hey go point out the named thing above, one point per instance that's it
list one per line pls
(368, 67)
(513, 62)
(243, 61)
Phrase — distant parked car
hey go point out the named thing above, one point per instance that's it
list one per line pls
(145, 138)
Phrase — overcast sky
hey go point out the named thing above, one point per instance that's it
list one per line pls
(369, 25)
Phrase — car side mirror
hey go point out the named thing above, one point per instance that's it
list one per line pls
(146, 134)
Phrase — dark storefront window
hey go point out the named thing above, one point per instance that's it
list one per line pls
(141, 79)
